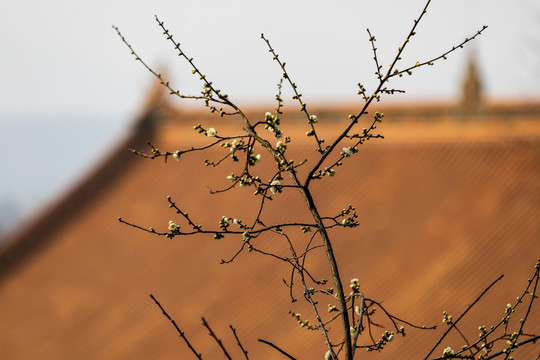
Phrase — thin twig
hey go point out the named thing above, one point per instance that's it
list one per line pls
(463, 314)
(180, 332)
(244, 351)
(213, 335)
(277, 348)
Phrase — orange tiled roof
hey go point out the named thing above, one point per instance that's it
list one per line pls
(445, 207)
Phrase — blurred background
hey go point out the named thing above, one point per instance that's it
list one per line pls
(69, 89)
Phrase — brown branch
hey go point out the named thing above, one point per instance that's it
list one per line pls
(277, 348)
(180, 332)
(244, 351)
(213, 335)
(462, 315)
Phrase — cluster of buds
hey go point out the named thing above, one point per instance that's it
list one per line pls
(234, 145)
(302, 323)
(207, 89)
(483, 331)
(207, 132)
(448, 352)
(281, 146)
(224, 223)
(272, 123)
(386, 337)
(232, 177)
(275, 186)
(305, 229)
(348, 151)
(513, 339)
(355, 286)
(253, 159)
(213, 109)
(329, 172)
(246, 181)
(447, 319)
(362, 90)
(349, 222)
(507, 311)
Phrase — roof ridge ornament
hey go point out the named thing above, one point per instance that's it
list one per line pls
(472, 94)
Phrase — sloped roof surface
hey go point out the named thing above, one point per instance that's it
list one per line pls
(444, 209)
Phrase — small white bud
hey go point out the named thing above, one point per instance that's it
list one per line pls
(273, 186)
(328, 355)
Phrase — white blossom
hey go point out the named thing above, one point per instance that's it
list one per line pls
(328, 355)
(273, 186)
(448, 351)
(391, 337)
(258, 158)
(234, 144)
(347, 151)
(313, 118)
(177, 155)
(173, 226)
(211, 132)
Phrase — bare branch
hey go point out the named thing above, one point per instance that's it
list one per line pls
(180, 332)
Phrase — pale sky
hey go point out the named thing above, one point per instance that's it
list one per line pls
(69, 87)
(62, 58)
